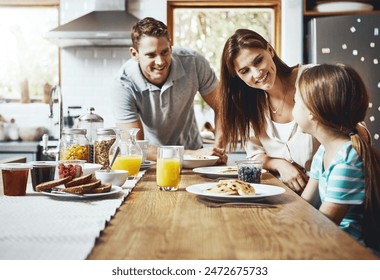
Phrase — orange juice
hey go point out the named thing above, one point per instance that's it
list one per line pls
(168, 172)
(130, 163)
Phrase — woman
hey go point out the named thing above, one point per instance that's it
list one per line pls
(258, 90)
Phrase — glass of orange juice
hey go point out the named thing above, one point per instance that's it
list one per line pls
(168, 167)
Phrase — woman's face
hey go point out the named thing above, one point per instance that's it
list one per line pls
(256, 68)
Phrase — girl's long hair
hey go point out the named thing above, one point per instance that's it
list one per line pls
(243, 107)
(337, 98)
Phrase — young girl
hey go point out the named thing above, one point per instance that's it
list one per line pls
(330, 101)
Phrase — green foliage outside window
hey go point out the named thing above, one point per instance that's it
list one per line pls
(206, 30)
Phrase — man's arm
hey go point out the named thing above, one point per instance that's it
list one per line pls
(213, 99)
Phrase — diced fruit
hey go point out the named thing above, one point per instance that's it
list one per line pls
(69, 170)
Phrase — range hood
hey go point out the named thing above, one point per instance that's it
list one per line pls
(98, 28)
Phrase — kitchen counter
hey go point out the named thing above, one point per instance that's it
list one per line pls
(32, 150)
(17, 146)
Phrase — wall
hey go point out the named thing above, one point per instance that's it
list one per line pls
(86, 73)
(292, 31)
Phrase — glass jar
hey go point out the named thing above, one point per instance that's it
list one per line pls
(74, 144)
(129, 154)
(105, 137)
(91, 122)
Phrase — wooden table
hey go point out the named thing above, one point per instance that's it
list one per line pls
(158, 225)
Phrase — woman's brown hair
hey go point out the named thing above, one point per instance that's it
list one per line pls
(243, 107)
(337, 98)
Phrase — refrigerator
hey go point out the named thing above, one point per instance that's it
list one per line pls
(352, 40)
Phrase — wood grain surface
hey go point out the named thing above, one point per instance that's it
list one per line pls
(157, 225)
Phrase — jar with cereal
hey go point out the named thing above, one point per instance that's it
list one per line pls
(74, 145)
(105, 137)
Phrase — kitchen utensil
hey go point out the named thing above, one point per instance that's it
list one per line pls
(239, 204)
(117, 151)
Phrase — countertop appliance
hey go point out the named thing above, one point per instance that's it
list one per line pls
(102, 27)
(352, 40)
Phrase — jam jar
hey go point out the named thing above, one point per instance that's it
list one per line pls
(105, 137)
(74, 145)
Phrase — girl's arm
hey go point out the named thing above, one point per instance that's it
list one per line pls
(311, 193)
(335, 212)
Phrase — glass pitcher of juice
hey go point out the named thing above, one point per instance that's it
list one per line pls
(129, 155)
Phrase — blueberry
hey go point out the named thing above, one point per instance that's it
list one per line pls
(250, 174)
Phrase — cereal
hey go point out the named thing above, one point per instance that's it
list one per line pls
(74, 152)
(102, 152)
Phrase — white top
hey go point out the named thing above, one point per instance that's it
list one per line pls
(282, 141)
(283, 130)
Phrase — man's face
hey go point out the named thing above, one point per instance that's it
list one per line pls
(154, 57)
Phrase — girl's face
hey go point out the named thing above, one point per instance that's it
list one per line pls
(256, 68)
(301, 114)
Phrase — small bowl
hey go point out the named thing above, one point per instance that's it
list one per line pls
(249, 171)
(115, 177)
(190, 161)
(68, 165)
(89, 168)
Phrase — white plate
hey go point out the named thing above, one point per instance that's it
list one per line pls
(217, 171)
(343, 6)
(190, 161)
(262, 191)
(114, 190)
(147, 164)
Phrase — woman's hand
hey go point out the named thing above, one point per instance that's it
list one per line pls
(292, 176)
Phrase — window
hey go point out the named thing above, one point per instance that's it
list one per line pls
(30, 64)
(205, 26)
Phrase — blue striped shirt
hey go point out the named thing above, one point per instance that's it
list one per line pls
(342, 183)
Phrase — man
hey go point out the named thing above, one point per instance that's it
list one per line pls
(155, 92)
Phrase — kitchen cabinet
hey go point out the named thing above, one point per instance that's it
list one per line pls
(308, 8)
(309, 12)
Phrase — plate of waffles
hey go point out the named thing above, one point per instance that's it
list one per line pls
(225, 190)
(217, 171)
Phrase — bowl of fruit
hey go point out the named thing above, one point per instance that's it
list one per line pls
(73, 168)
(249, 171)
